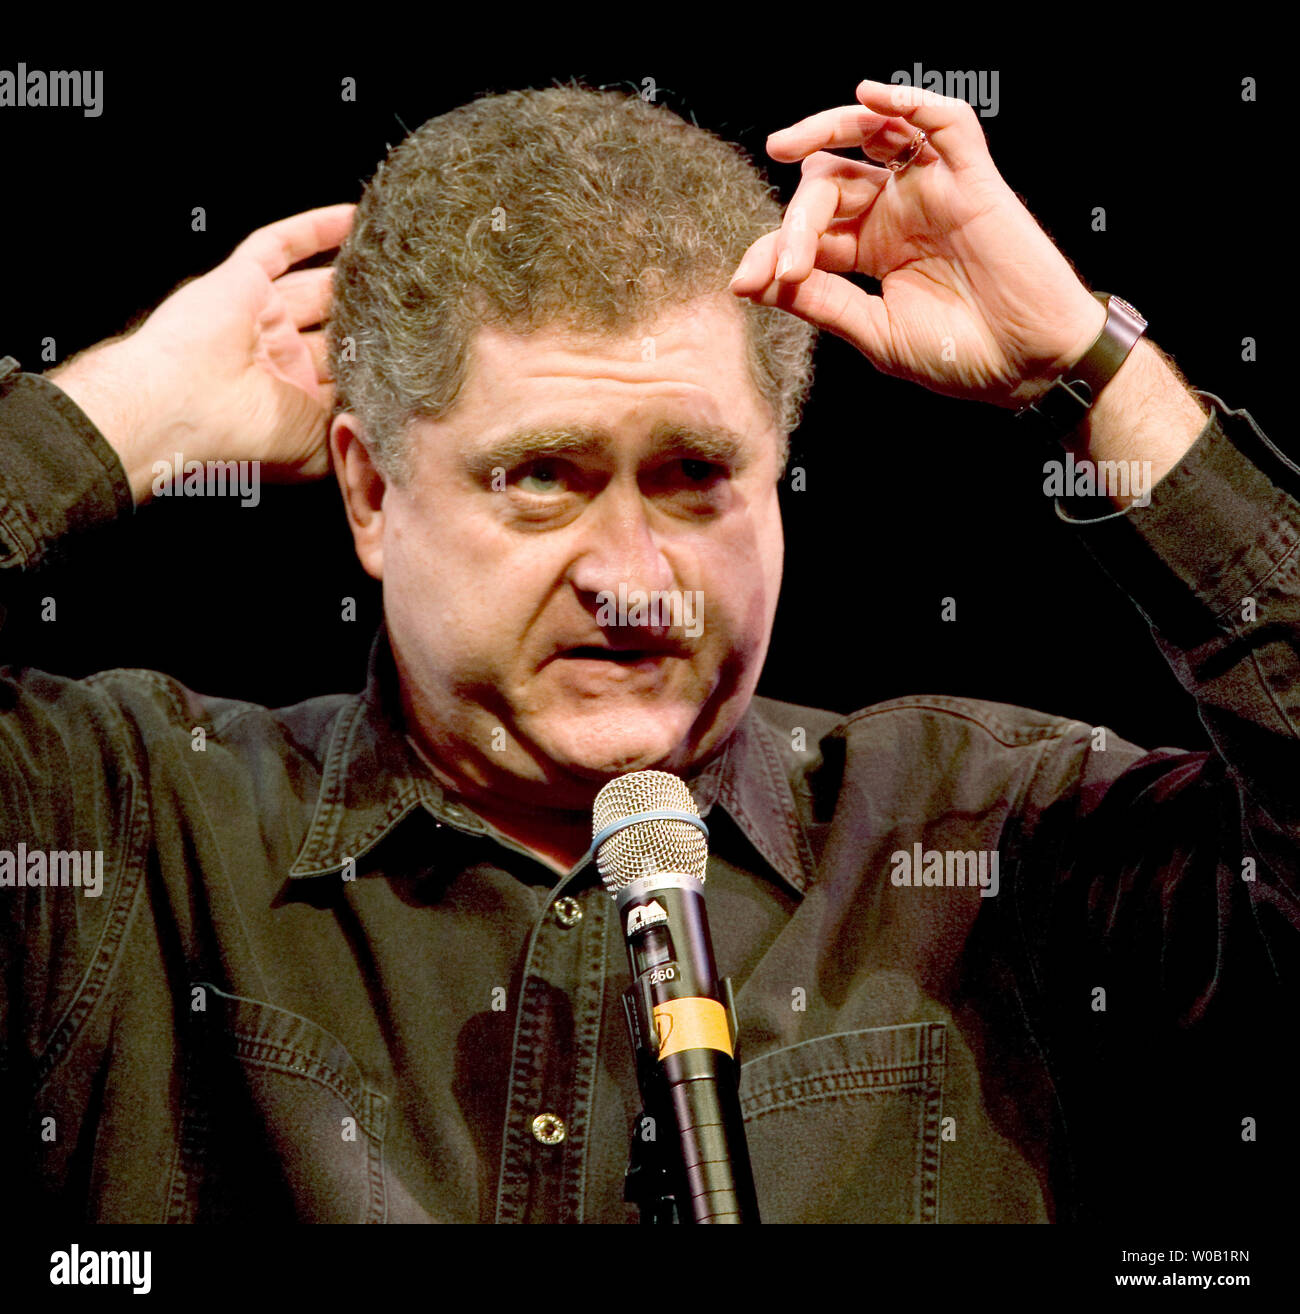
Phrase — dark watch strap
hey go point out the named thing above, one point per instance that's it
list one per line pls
(1064, 406)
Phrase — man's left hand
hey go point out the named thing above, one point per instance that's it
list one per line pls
(975, 300)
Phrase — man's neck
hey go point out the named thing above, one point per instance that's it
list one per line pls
(559, 839)
(561, 844)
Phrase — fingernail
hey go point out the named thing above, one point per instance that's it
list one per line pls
(784, 264)
(742, 271)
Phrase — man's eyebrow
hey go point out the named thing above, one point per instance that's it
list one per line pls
(532, 444)
(714, 443)
(710, 442)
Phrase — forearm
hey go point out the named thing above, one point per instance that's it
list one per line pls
(111, 388)
(1144, 414)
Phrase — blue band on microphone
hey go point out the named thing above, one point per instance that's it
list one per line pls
(664, 814)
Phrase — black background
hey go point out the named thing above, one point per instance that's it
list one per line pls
(910, 497)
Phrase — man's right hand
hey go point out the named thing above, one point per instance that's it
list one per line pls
(225, 369)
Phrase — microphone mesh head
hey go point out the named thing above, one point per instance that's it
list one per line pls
(647, 848)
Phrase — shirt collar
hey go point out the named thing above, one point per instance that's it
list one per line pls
(372, 779)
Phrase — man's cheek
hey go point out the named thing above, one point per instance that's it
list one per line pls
(734, 610)
(470, 643)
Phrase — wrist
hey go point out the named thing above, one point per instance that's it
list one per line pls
(1091, 321)
(112, 390)
(1087, 319)
(1146, 413)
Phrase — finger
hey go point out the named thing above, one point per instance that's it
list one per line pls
(757, 266)
(846, 125)
(879, 136)
(317, 345)
(324, 398)
(306, 295)
(950, 124)
(282, 244)
(810, 210)
(837, 250)
(894, 141)
(839, 306)
(834, 189)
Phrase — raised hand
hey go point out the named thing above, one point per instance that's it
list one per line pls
(975, 300)
(232, 366)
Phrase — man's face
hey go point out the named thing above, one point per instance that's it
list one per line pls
(575, 474)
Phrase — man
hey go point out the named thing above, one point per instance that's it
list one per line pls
(346, 960)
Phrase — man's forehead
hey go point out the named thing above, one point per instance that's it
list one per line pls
(680, 385)
(698, 342)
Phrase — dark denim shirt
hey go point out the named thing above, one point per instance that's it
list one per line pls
(313, 987)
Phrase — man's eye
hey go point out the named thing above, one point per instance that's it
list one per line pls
(696, 475)
(540, 477)
(699, 472)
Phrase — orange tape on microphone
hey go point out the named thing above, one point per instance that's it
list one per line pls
(692, 1023)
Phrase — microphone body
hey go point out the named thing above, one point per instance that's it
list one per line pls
(681, 1019)
(678, 1015)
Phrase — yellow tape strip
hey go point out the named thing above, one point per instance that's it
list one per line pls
(692, 1023)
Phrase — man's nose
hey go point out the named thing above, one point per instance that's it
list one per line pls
(620, 547)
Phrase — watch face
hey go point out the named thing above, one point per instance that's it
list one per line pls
(1130, 308)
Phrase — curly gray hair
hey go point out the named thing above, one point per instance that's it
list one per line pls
(563, 206)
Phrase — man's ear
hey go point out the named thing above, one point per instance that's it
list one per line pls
(363, 491)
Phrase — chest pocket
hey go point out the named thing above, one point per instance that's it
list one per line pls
(845, 1128)
(279, 1123)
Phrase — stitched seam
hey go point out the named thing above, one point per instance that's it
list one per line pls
(282, 1012)
(1017, 739)
(320, 1074)
(753, 1113)
(780, 784)
(94, 980)
(515, 1134)
(1279, 522)
(835, 1035)
(584, 1094)
(327, 799)
(886, 1072)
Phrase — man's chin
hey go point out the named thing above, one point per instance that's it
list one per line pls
(597, 753)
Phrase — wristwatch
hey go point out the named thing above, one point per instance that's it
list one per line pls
(9, 371)
(1064, 406)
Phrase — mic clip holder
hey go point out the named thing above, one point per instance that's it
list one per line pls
(649, 1181)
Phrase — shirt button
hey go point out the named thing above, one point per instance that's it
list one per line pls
(548, 1129)
(568, 912)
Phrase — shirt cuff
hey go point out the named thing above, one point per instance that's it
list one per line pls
(1216, 526)
(58, 476)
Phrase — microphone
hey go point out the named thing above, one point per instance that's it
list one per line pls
(690, 1160)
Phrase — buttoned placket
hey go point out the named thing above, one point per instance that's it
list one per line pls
(546, 1138)
(547, 1135)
